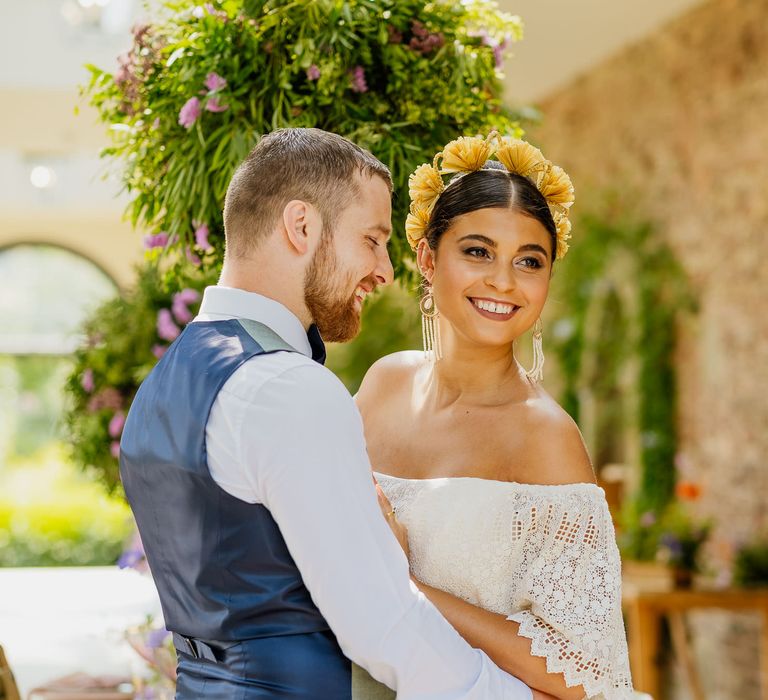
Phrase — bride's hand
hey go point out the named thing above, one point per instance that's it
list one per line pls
(399, 530)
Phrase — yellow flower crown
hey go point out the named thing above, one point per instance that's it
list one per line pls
(469, 153)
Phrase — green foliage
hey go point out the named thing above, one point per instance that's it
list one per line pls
(640, 533)
(399, 78)
(122, 345)
(750, 566)
(682, 538)
(51, 516)
(659, 287)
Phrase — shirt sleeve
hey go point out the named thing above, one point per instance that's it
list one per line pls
(303, 438)
(572, 600)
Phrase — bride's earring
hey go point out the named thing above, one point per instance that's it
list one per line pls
(536, 373)
(430, 329)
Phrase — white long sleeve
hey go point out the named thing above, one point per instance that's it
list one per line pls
(285, 432)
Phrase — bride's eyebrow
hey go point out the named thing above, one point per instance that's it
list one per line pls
(533, 247)
(477, 237)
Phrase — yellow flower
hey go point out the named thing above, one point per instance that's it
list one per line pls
(416, 224)
(465, 154)
(556, 187)
(519, 156)
(425, 186)
(563, 235)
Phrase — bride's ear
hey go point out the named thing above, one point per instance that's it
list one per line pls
(425, 259)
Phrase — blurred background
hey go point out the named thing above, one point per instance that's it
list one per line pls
(653, 334)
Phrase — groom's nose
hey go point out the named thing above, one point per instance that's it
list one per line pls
(384, 272)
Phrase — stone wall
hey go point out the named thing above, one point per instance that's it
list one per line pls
(680, 123)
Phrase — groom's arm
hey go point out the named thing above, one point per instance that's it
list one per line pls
(301, 440)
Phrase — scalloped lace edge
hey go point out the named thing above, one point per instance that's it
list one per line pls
(540, 648)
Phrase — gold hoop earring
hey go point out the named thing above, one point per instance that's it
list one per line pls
(536, 373)
(430, 329)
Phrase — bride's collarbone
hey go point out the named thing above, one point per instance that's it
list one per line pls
(430, 448)
(506, 444)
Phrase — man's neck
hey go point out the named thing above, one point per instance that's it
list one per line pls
(268, 285)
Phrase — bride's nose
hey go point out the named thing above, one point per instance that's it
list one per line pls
(501, 278)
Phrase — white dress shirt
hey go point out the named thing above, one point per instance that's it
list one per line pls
(285, 432)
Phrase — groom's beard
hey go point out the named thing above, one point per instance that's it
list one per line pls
(331, 305)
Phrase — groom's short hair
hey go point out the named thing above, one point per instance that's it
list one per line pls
(312, 165)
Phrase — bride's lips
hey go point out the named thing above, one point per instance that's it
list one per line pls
(495, 310)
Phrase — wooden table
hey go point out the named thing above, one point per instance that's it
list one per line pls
(645, 610)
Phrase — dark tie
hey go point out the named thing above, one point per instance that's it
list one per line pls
(317, 344)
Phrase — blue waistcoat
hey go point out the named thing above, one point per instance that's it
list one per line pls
(244, 622)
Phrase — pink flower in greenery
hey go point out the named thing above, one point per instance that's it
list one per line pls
(194, 259)
(212, 105)
(116, 425)
(181, 302)
(156, 638)
(201, 237)
(157, 240)
(86, 381)
(358, 80)
(133, 557)
(109, 397)
(158, 350)
(188, 296)
(213, 81)
(395, 36)
(498, 56)
(190, 112)
(180, 311)
(166, 328)
(114, 449)
(313, 72)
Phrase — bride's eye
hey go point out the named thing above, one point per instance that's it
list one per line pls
(476, 252)
(532, 263)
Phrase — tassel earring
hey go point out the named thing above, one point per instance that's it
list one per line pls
(430, 329)
(536, 373)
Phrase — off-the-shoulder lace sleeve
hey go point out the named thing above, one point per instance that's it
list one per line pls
(570, 604)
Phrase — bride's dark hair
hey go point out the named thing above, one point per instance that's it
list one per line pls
(491, 187)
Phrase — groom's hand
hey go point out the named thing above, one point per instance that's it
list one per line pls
(398, 529)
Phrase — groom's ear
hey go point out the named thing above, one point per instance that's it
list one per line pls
(302, 226)
(425, 258)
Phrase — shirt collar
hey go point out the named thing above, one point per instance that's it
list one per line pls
(227, 302)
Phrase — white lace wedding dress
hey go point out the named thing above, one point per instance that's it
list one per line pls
(544, 556)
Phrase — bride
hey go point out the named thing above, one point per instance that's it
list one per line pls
(483, 477)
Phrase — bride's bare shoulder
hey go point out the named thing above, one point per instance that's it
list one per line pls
(386, 376)
(554, 445)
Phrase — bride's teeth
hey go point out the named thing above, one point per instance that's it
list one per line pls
(493, 307)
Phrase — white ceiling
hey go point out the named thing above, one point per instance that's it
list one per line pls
(565, 38)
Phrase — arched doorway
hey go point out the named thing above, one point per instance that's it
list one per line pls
(45, 294)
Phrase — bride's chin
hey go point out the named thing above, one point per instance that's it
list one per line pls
(485, 338)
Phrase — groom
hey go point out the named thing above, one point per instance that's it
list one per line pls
(244, 462)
